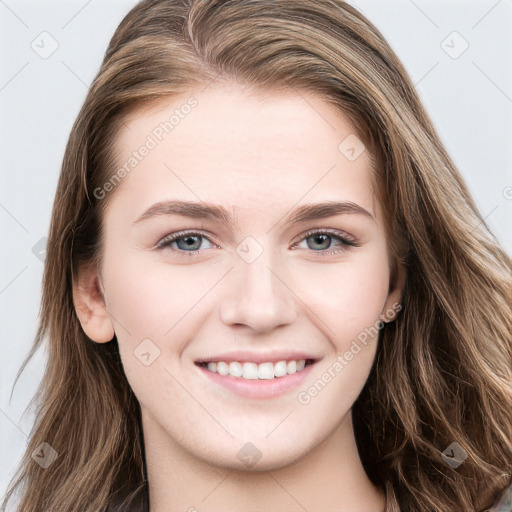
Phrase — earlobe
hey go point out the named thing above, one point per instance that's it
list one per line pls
(396, 287)
(90, 306)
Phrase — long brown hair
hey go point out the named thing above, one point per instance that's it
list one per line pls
(442, 373)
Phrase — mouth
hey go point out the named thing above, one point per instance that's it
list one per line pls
(257, 376)
(247, 370)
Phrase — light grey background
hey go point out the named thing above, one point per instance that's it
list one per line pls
(468, 95)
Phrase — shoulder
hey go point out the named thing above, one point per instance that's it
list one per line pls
(503, 502)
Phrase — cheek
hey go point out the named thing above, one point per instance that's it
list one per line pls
(151, 305)
(149, 295)
(348, 296)
(140, 303)
(348, 300)
(152, 300)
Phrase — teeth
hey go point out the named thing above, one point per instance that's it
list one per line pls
(257, 371)
(235, 369)
(222, 368)
(266, 371)
(250, 371)
(280, 369)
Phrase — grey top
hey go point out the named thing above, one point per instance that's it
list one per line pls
(504, 502)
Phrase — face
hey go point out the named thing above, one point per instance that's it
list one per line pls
(209, 256)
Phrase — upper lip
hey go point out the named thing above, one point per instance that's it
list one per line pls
(253, 357)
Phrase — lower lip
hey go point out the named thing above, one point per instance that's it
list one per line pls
(259, 388)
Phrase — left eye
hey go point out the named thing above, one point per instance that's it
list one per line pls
(321, 237)
(190, 242)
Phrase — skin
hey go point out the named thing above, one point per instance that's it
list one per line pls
(260, 155)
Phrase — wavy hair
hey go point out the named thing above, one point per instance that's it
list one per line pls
(443, 369)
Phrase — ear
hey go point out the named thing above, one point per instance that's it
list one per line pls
(89, 301)
(396, 288)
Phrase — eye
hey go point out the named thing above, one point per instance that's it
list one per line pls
(186, 242)
(322, 239)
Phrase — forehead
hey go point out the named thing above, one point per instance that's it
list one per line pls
(252, 150)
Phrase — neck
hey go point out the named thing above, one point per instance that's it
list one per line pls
(329, 478)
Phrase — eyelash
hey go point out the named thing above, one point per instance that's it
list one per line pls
(346, 242)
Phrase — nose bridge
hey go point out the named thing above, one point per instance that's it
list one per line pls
(257, 295)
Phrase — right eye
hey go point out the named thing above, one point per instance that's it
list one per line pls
(184, 240)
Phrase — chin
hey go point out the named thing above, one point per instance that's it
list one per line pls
(254, 457)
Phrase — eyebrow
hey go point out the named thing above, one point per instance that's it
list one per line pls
(204, 210)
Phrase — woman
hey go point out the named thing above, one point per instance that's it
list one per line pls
(227, 377)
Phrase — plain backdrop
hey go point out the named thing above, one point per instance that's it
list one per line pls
(458, 54)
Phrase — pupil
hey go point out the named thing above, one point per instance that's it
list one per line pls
(321, 239)
(189, 241)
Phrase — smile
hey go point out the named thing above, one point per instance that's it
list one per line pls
(253, 371)
(264, 380)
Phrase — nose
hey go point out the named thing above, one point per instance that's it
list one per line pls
(258, 297)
